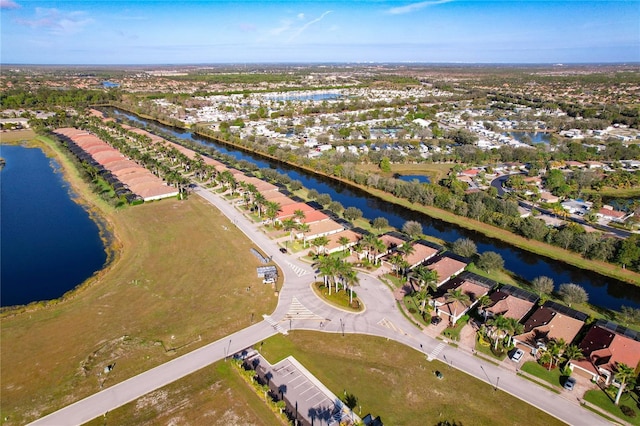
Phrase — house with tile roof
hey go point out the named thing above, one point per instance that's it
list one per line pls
(551, 322)
(473, 285)
(446, 266)
(510, 302)
(604, 349)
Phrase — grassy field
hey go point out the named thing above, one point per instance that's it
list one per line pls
(435, 171)
(17, 136)
(398, 384)
(178, 281)
(215, 395)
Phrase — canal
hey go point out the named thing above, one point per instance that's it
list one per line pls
(603, 291)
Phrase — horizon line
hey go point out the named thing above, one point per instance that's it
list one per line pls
(244, 63)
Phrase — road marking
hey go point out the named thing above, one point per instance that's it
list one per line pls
(274, 324)
(434, 353)
(297, 269)
(386, 323)
(298, 311)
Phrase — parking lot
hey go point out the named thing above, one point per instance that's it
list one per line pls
(306, 398)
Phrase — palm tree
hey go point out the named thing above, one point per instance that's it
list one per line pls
(327, 269)
(573, 352)
(498, 324)
(484, 302)
(515, 328)
(555, 349)
(427, 280)
(259, 201)
(351, 279)
(455, 295)
(397, 261)
(546, 358)
(320, 242)
(303, 228)
(343, 241)
(289, 225)
(624, 376)
(273, 208)
(299, 215)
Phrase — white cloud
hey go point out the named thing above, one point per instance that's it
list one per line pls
(301, 16)
(56, 22)
(415, 6)
(285, 25)
(8, 4)
(308, 24)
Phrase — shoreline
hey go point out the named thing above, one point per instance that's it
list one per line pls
(82, 195)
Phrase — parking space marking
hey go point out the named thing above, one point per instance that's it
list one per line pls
(314, 395)
(306, 381)
(307, 389)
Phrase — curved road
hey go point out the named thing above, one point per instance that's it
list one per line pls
(300, 309)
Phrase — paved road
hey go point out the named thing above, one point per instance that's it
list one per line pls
(299, 308)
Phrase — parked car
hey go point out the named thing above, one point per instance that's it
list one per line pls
(569, 383)
(517, 355)
(436, 320)
(283, 250)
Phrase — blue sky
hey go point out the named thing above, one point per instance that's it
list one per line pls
(219, 31)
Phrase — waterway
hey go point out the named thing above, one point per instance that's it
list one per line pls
(48, 243)
(530, 137)
(603, 291)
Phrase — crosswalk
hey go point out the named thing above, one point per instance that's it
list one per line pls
(436, 351)
(387, 323)
(274, 324)
(299, 312)
(297, 269)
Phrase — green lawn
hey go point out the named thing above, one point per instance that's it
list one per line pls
(398, 384)
(339, 299)
(453, 333)
(413, 306)
(487, 350)
(541, 372)
(602, 400)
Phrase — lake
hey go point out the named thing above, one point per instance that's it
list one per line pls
(533, 137)
(48, 244)
(411, 178)
(603, 291)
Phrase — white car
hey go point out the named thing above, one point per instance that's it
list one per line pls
(517, 355)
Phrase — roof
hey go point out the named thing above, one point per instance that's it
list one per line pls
(333, 244)
(446, 266)
(314, 216)
(611, 213)
(606, 349)
(290, 209)
(546, 324)
(420, 254)
(325, 227)
(139, 180)
(391, 241)
(509, 306)
(469, 287)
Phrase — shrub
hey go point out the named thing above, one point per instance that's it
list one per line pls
(627, 411)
